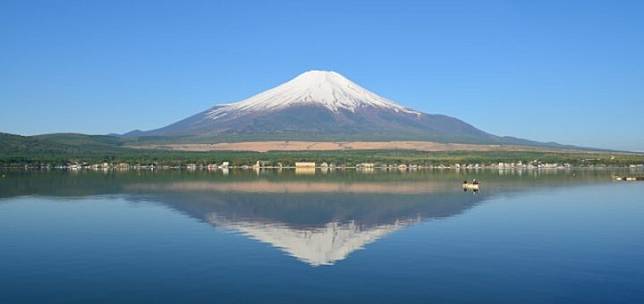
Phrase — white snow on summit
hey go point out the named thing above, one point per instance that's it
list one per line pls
(325, 88)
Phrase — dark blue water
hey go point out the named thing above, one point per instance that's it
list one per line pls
(381, 238)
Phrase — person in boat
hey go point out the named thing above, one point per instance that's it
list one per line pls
(475, 182)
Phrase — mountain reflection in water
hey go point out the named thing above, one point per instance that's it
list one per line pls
(319, 220)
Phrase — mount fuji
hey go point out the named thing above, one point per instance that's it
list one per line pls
(322, 105)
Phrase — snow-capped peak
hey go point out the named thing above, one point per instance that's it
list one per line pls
(324, 88)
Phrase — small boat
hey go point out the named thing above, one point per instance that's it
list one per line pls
(474, 185)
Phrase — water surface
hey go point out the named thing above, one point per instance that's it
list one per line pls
(269, 237)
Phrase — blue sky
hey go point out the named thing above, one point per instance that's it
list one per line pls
(565, 71)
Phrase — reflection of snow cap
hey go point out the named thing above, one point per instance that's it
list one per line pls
(315, 246)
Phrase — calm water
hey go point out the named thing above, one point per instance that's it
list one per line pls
(325, 238)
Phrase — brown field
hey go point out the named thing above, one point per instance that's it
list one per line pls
(265, 146)
(263, 186)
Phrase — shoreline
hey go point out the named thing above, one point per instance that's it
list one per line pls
(399, 168)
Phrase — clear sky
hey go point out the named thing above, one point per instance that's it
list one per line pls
(565, 71)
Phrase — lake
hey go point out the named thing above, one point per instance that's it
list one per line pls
(320, 237)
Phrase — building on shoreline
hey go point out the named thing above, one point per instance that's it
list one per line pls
(304, 164)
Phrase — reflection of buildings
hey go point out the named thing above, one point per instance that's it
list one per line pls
(305, 170)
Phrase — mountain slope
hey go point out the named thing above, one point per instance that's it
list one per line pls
(321, 105)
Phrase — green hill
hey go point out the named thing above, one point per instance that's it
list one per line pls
(58, 143)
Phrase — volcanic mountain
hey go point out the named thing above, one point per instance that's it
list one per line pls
(322, 105)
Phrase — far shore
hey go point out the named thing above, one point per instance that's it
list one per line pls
(362, 167)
